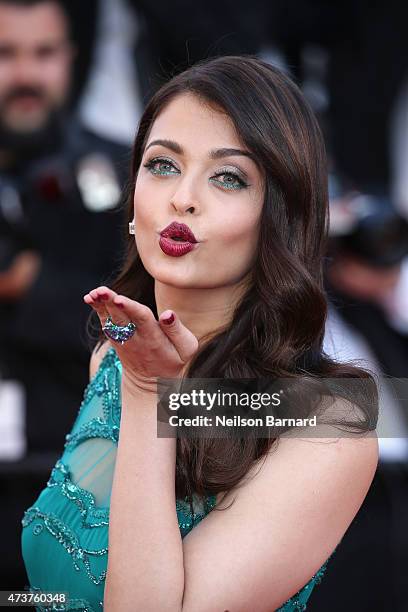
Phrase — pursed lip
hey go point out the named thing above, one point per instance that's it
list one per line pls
(178, 230)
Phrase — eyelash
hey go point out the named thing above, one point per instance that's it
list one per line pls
(152, 162)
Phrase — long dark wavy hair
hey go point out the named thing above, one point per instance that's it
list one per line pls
(277, 329)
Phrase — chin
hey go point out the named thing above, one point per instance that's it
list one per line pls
(172, 279)
(27, 124)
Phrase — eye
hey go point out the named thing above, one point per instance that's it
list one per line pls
(160, 165)
(6, 52)
(47, 51)
(231, 180)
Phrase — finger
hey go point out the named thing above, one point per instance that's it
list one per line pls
(102, 295)
(139, 314)
(115, 308)
(117, 315)
(184, 341)
(106, 307)
(96, 303)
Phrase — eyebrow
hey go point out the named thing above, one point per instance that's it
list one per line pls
(214, 154)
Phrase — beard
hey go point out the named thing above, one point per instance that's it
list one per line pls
(26, 143)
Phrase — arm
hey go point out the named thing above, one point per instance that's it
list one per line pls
(145, 562)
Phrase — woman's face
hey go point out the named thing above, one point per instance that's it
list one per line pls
(219, 197)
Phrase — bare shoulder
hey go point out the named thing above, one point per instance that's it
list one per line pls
(98, 354)
(286, 520)
(348, 459)
(325, 467)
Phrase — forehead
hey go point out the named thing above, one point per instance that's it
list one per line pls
(193, 122)
(32, 24)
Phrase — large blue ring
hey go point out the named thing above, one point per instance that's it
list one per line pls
(118, 333)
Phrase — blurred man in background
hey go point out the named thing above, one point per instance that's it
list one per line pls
(366, 268)
(60, 218)
(366, 280)
(61, 226)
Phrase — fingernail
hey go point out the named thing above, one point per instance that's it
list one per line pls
(168, 320)
(104, 296)
(120, 305)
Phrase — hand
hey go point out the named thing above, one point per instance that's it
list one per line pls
(155, 349)
(19, 277)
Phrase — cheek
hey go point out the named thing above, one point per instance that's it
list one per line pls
(146, 222)
(143, 203)
(55, 76)
(233, 246)
(238, 231)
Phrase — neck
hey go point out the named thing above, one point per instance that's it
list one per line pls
(202, 311)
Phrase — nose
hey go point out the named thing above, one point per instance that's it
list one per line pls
(183, 208)
(184, 199)
(27, 71)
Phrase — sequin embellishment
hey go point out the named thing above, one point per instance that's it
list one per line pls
(69, 540)
(92, 516)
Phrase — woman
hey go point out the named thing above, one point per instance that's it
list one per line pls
(223, 279)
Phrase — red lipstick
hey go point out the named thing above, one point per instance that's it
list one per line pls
(177, 239)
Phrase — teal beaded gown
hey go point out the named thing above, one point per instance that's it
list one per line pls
(65, 532)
